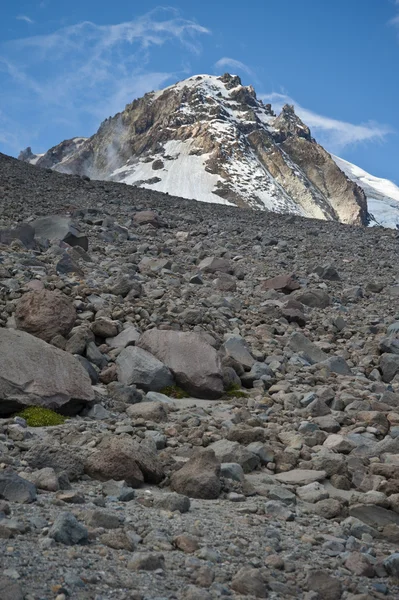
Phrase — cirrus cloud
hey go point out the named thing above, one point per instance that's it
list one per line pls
(85, 72)
(25, 18)
(231, 63)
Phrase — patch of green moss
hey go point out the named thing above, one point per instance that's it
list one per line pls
(174, 391)
(36, 416)
(234, 391)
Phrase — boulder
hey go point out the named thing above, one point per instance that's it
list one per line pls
(68, 265)
(33, 373)
(62, 459)
(173, 502)
(327, 272)
(237, 349)
(60, 228)
(193, 362)
(212, 264)
(150, 264)
(45, 314)
(16, 489)
(232, 452)
(104, 328)
(150, 411)
(147, 217)
(250, 582)
(389, 365)
(137, 366)
(391, 565)
(373, 515)
(337, 364)
(127, 337)
(300, 477)
(282, 283)
(299, 343)
(24, 233)
(11, 589)
(199, 477)
(122, 458)
(314, 298)
(67, 530)
(326, 587)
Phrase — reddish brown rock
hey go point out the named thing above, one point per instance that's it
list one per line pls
(121, 458)
(45, 314)
(328, 588)
(282, 283)
(358, 564)
(250, 582)
(199, 477)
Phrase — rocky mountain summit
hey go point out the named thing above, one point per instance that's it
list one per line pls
(230, 386)
(210, 138)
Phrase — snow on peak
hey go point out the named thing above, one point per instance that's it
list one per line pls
(210, 138)
(382, 194)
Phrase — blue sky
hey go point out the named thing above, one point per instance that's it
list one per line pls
(67, 65)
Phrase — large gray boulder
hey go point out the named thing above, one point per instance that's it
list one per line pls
(63, 229)
(313, 354)
(213, 264)
(16, 489)
(139, 367)
(63, 459)
(299, 343)
(237, 348)
(33, 373)
(193, 362)
(389, 365)
(24, 233)
(45, 314)
(67, 530)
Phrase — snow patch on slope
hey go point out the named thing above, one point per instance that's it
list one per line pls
(185, 174)
(382, 194)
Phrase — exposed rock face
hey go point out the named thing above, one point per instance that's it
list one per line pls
(35, 373)
(193, 362)
(211, 139)
(45, 314)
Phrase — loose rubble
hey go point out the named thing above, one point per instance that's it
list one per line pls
(216, 445)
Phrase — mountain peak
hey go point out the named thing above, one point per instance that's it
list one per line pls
(210, 138)
(231, 81)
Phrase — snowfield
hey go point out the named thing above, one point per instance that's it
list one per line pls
(382, 194)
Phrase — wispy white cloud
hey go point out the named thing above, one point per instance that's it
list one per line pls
(86, 72)
(334, 134)
(231, 63)
(25, 18)
(395, 20)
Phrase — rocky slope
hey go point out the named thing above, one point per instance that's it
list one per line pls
(232, 385)
(211, 139)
